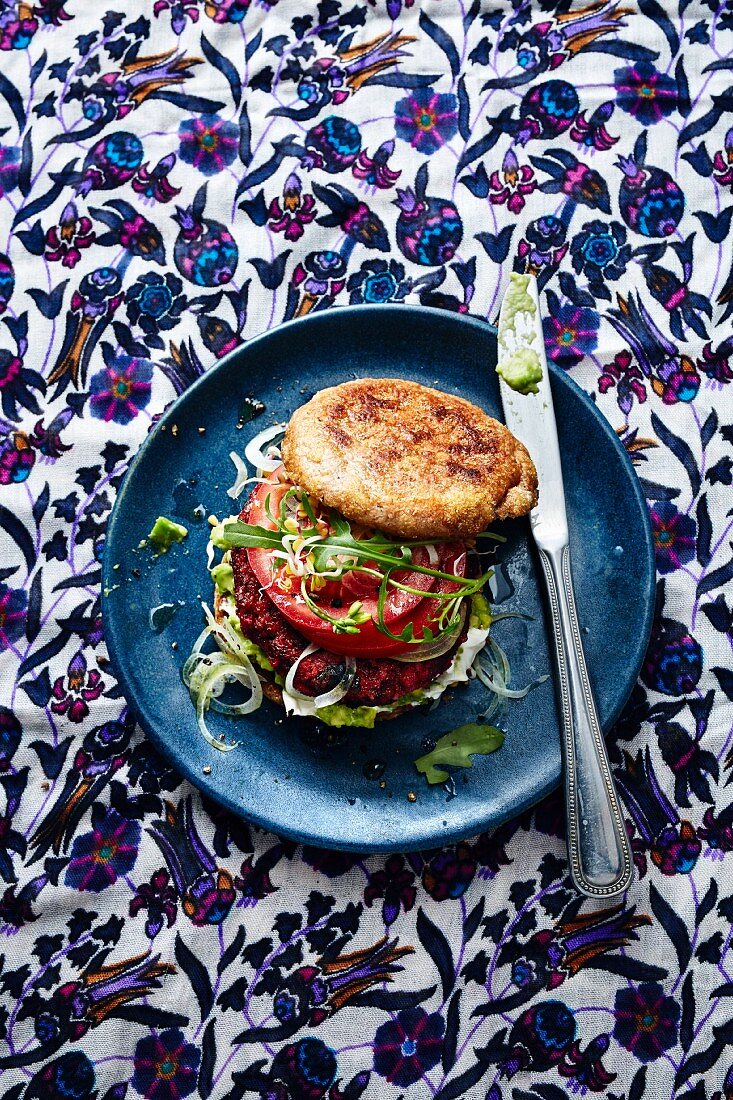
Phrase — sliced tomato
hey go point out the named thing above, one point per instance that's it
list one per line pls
(365, 587)
(336, 598)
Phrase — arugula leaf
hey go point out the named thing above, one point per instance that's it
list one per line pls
(238, 534)
(455, 749)
(308, 509)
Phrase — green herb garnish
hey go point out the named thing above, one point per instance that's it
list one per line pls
(455, 749)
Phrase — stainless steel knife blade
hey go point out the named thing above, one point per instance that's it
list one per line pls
(598, 847)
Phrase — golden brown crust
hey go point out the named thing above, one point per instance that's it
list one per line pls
(408, 460)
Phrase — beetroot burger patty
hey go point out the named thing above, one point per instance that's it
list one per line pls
(377, 680)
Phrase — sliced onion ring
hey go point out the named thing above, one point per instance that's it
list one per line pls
(491, 710)
(328, 698)
(290, 678)
(196, 668)
(501, 660)
(207, 674)
(493, 683)
(248, 678)
(241, 479)
(337, 693)
(198, 644)
(496, 677)
(255, 454)
(212, 684)
(204, 729)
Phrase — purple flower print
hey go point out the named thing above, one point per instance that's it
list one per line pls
(166, 1066)
(159, 899)
(155, 302)
(396, 884)
(510, 186)
(646, 1021)
(723, 162)
(99, 858)
(208, 143)
(73, 693)
(627, 377)
(645, 93)
(408, 1046)
(122, 389)
(601, 252)
(570, 331)
(375, 170)
(180, 11)
(674, 536)
(426, 119)
(66, 240)
(378, 281)
(153, 183)
(294, 212)
(716, 365)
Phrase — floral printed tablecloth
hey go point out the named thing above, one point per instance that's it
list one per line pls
(176, 177)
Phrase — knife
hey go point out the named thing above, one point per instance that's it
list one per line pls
(598, 847)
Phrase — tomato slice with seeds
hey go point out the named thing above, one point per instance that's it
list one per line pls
(336, 597)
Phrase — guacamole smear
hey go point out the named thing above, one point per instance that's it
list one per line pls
(339, 714)
(517, 299)
(480, 615)
(522, 371)
(519, 364)
(223, 577)
(165, 532)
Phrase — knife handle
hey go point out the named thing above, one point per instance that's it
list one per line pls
(598, 846)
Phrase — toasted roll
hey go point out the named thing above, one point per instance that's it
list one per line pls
(408, 460)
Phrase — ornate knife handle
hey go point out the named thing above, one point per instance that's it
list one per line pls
(598, 847)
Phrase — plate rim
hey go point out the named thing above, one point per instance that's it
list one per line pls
(450, 835)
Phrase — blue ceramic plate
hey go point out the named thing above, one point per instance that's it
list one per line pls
(285, 776)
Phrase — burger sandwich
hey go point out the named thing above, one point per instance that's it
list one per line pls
(350, 587)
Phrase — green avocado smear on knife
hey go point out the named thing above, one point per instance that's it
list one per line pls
(520, 369)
